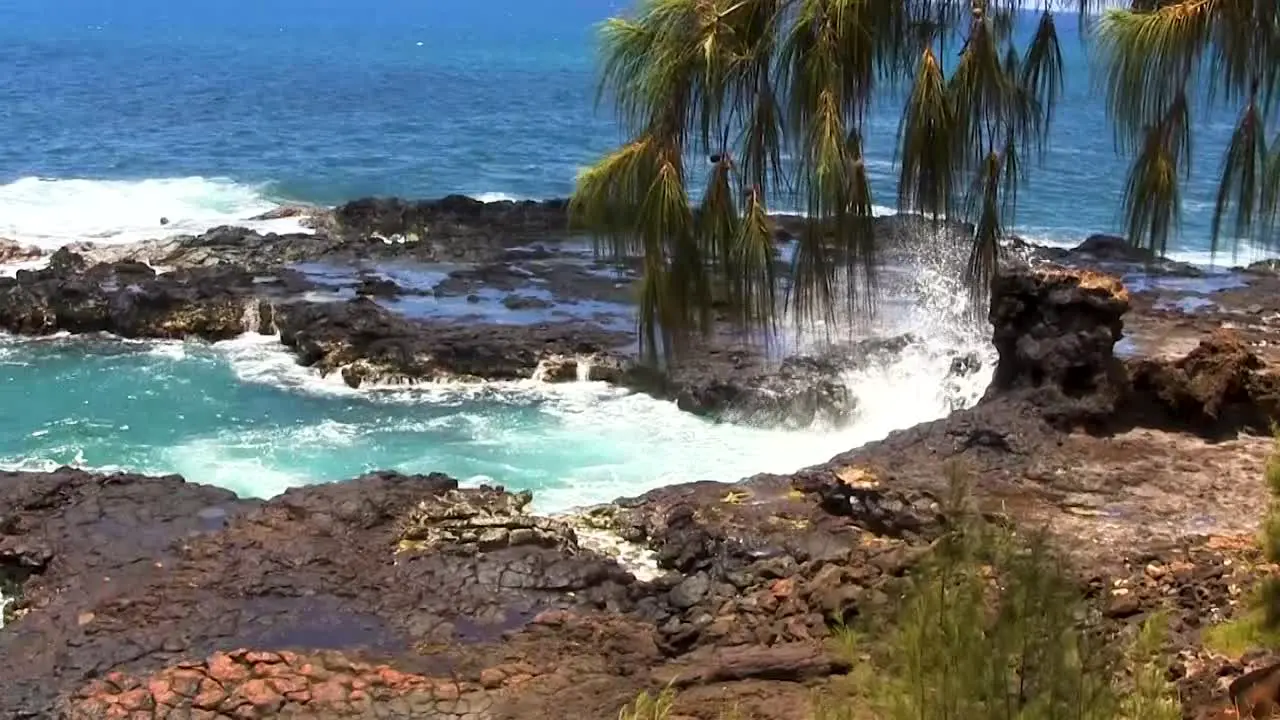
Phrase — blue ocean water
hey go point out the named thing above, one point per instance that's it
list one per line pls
(326, 101)
(117, 113)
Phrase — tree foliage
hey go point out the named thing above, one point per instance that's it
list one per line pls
(715, 94)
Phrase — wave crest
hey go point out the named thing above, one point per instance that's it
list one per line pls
(49, 212)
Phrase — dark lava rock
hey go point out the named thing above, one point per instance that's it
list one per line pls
(127, 299)
(690, 591)
(455, 228)
(1115, 248)
(123, 575)
(493, 276)
(1055, 331)
(1218, 389)
(237, 246)
(378, 287)
(1270, 266)
(368, 343)
(521, 302)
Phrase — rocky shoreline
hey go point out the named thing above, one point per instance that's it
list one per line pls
(1131, 417)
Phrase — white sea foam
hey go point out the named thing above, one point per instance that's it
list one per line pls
(5, 602)
(11, 269)
(498, 197)
(53, 212)
(1227, 256)
(575, 443)
(593, 442)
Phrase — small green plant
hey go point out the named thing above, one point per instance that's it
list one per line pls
(994, 628)
(1270, 590)
(846, 641)
(1152, 696)
(1258, 626)
(1249, 631)
(650, 707)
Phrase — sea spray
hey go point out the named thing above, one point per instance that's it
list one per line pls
(540, 373)
(584, 368)
(5, 602)
(251, 318)
(49, 213)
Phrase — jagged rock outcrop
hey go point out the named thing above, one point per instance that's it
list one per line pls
(455, 216)
(481, 520)
(126, 298)
(367, 343)
(1218, 389)
(1055, 332)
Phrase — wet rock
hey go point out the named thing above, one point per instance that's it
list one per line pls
(378, 287)
(286, 211)
(593, 367)
(520, 302)
(367, 343)
(125, 298)
(1114, 248)
(1264, 267)
(800, 391)
(12, 252)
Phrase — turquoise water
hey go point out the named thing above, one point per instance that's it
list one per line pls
(242, 415)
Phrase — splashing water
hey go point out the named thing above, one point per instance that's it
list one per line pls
(251, 318)
(244, 415)
(49, 213)
(5, 602)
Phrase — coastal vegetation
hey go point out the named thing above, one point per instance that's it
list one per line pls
(1258, 624)
(736, 108)
(992, 624)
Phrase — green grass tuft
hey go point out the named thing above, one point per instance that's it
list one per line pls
(650, 707)
(1240, 635)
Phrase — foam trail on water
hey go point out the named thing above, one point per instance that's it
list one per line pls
(50, 213)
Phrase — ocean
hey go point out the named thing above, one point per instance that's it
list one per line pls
(117, 114)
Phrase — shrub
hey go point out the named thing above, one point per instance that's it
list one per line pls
(994, 628)
(1152, 696)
